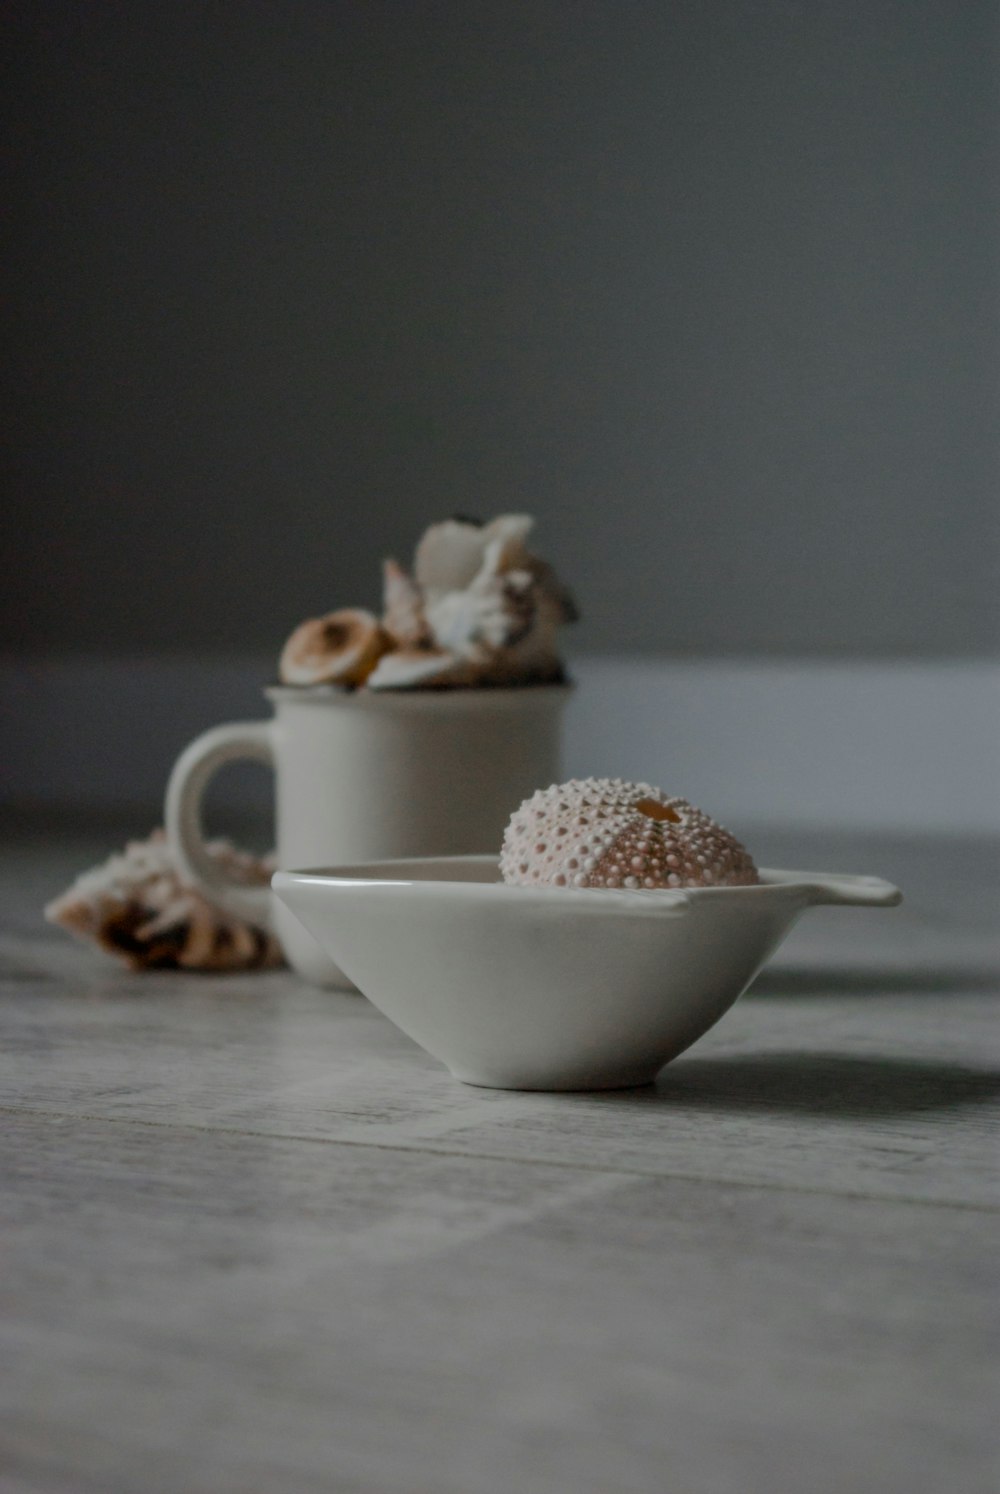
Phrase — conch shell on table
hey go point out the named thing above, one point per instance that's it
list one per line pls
(136, 907)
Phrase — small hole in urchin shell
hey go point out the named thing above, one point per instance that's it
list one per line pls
(654, 810)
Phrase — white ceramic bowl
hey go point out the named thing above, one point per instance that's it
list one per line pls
(551, 988)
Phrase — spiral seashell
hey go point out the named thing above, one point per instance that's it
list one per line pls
(601, 832)
(341, 648)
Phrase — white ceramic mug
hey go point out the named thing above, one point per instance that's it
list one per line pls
(365, 775)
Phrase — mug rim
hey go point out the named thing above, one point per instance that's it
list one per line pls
(422, 698)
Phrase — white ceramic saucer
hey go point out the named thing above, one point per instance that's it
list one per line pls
(552, 988)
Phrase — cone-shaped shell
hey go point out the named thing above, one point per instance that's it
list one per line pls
(403, 615)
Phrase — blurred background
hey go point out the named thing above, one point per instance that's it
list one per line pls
(710, 288)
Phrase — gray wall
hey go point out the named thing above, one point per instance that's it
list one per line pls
(707, 285)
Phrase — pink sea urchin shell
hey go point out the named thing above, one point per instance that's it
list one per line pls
(601, 832)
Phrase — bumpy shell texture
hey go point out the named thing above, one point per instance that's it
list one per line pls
(601, 832)
(137, 907)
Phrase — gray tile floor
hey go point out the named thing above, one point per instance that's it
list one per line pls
(254, 1240)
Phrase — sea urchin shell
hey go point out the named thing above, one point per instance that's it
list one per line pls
(601, 832)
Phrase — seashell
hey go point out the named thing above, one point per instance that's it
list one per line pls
(341, 648)
(511, 531)
(450, 555)
(136, 907)
(602, 832)
(479, 610)
(404, 618)
(507, 617)
(532, 656)
(500, 608)
(505, 536)
(494, 612)
(560, 602)
(410, 668)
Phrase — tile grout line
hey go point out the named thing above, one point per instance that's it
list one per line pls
(534, 1161)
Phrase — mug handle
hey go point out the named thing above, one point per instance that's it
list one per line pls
(196, 766)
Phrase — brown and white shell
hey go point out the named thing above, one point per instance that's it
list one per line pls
(341, 648)
(602, 832)
(416, 668)
(404, 617)
(136, 907)
(480, 610)
(451, 554)
(493, 613)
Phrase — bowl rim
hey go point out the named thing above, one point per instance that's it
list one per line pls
(776, 884)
